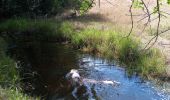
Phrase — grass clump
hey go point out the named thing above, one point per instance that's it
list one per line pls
(127, 51)
(107, 43)
(13, 94)
(30, 30)
(9, 76)
(8, 73)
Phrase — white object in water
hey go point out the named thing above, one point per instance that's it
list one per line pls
(74, 73)
(108, 82)
(103, 82)
(111, 82)
(74, 78)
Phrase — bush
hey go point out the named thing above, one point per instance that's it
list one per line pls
(26, 29)
(34, 8)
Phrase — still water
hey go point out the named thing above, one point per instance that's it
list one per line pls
(45, 65)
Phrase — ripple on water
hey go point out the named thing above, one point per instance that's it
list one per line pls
(129, 89)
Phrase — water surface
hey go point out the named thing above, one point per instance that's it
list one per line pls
(44, 66)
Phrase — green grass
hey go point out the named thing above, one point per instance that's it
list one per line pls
(8, 73)
(27, 29)
(107, 43)
(9, 76)
(14, 94)
(14, 31)
(127, 51)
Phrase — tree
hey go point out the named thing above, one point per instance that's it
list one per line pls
(34, 8)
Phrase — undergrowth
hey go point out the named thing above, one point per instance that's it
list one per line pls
(107, 43)
(9, 76)
(127, 51)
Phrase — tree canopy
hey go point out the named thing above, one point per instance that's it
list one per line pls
(33, 8)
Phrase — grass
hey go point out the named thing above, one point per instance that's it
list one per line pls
(42, 30)
(14, 94)
(108, 43)
(9, 76)
(127, 51)
(14, 31)
(8, 73)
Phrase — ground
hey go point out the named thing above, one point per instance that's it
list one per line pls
(116, 13)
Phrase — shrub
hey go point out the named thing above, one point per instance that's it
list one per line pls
(34, 8)
(30, 30)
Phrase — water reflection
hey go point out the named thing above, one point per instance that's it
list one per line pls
(133, 88)
(44, 66)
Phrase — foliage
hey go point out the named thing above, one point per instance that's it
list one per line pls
(127, 51)
(107, 43)
(8, 73)
(34, 8)
(14, 94)
(41, 30)
(9, 76)
(137, 4)
(168, 1)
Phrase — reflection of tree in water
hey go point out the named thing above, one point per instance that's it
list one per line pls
(44, 66)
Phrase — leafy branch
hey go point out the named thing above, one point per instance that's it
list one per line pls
(142, 4)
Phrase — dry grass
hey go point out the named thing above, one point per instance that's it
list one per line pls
(117, 14)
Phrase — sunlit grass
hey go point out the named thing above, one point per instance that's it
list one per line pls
(41, 30)
(127, 51)
(14, 94)
(109, 43)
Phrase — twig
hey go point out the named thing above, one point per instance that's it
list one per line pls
(110, 3)
(158, 26)
(145, 17)
(131, 16)
(149, 17)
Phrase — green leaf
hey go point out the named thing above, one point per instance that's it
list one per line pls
(137, 4)
(168, 1)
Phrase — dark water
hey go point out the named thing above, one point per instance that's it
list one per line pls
(44, 66)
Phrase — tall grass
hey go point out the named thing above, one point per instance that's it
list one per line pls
(9, 76)
(41, 30)
(8, 73)
(14, 94)
(107, 43)
(127, 51)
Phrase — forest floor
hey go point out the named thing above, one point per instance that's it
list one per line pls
(115, 13)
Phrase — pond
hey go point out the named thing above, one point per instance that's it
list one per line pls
(45, 65)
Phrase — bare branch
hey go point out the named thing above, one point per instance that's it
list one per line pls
(149, 17)
(131, 16)
(145, 17)
(157, 31)
(110, 3)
